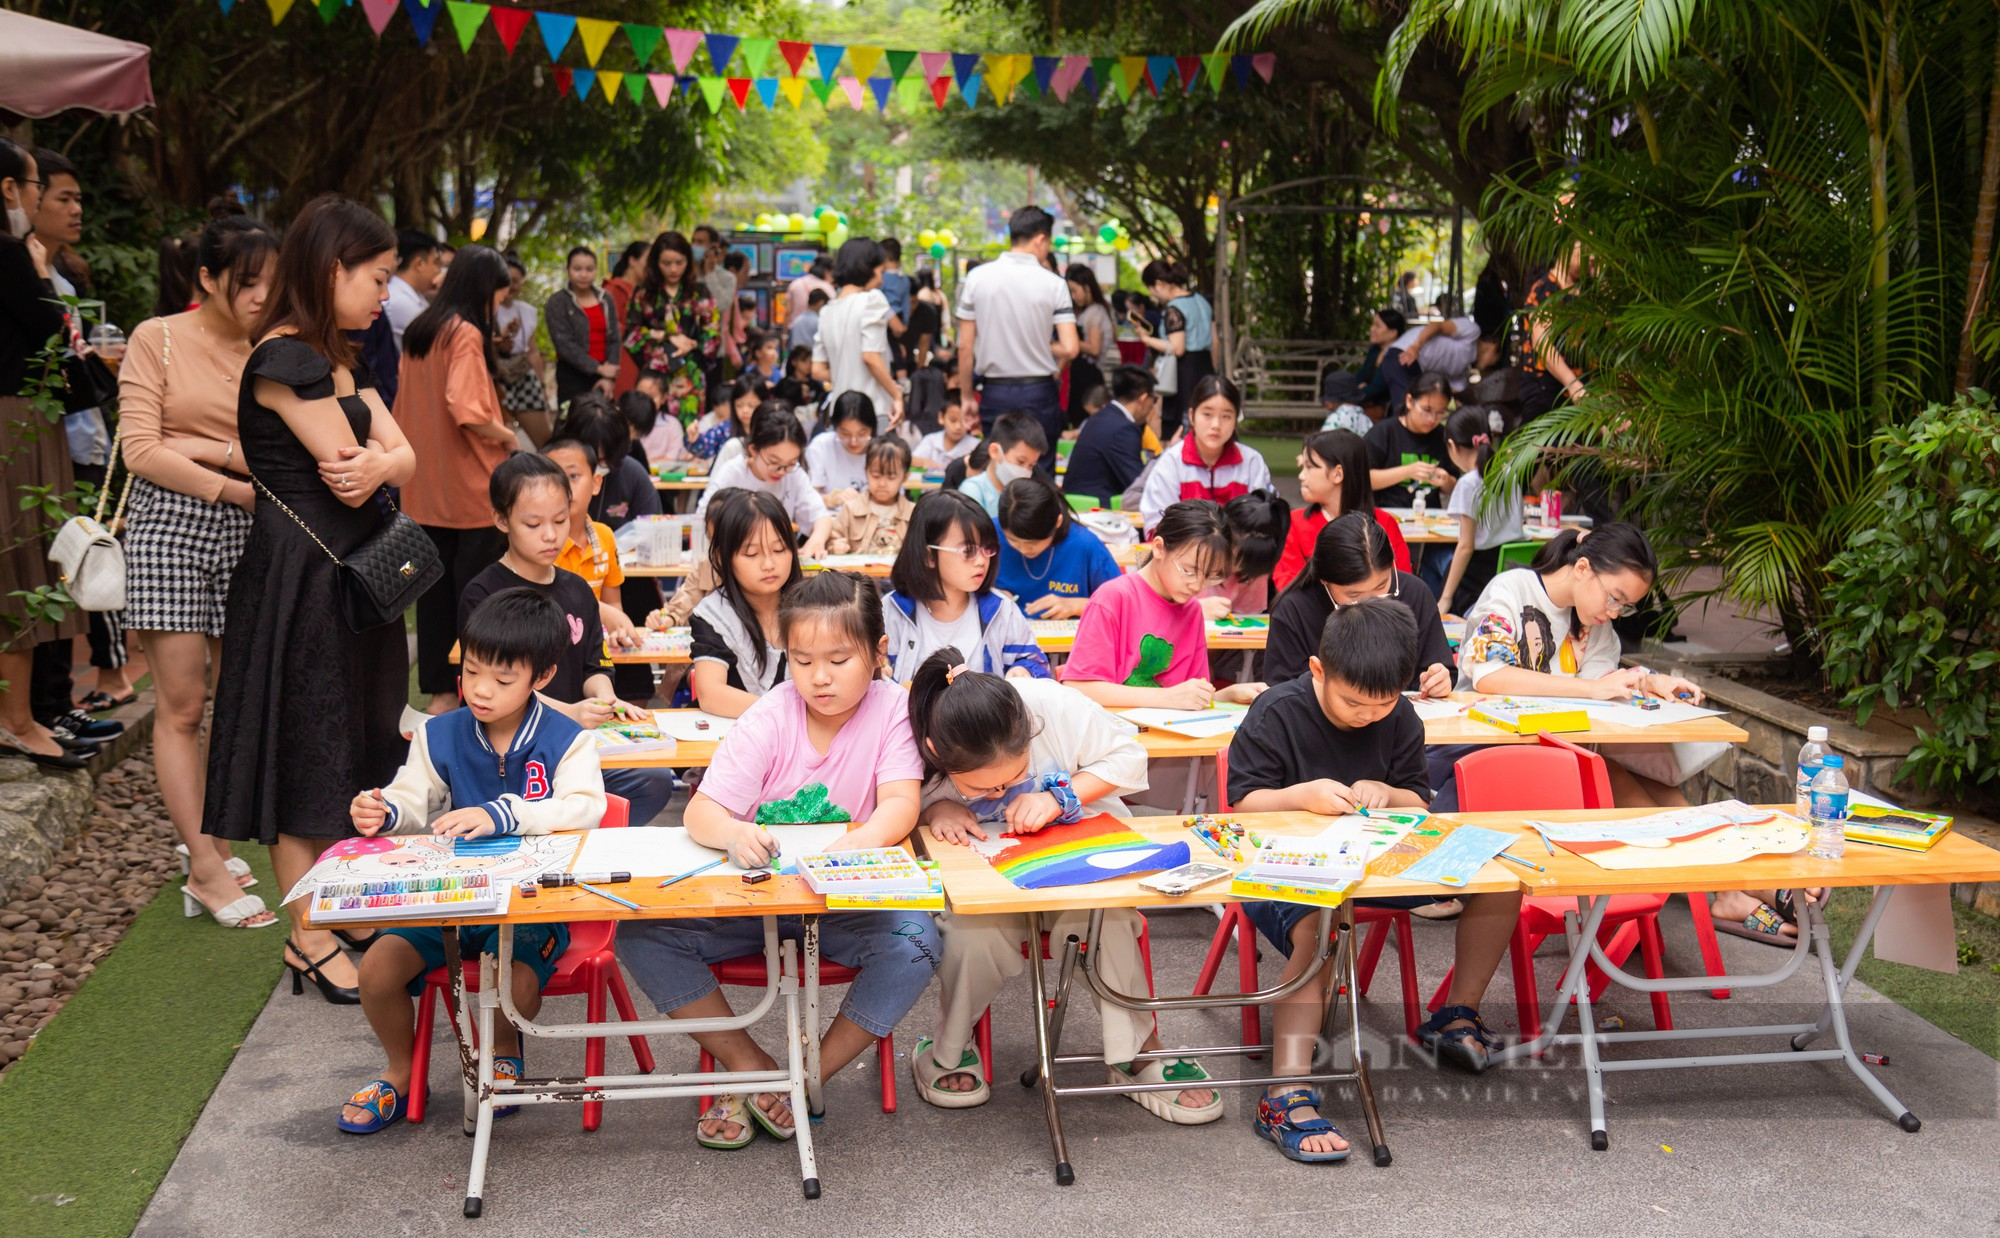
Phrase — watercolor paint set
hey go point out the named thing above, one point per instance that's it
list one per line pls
(880, 870)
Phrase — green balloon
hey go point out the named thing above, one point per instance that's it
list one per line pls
(1107, 232)
(937, 249)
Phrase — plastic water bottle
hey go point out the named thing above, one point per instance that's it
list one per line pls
(1810, 755)
(1829, 810)
(1417, 504)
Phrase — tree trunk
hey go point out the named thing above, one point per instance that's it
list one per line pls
(1977, 277)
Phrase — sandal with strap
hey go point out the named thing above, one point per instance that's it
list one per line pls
(728, 1107)
(508, 1068)
(229, 915)
(96, 702)
(238, 867)
(930, 1074)
(1274, 1122)
(1184, 1071)
(1766, 924)
(1467, 1048)
(379, 1098)
(769, 1123)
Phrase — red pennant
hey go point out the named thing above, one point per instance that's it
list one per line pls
(941, 89)
(1264, 63)
(739, 89)
(1189, 66)
(564, 78)
(795, 54)
(509, 23)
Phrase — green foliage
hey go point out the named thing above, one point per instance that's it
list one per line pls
(46, 507)
(1913, 608)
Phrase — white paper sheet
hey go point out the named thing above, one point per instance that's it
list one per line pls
(1630, 715)
(1430, 709)
(1194, 724)
(667, 851)
(684, 724)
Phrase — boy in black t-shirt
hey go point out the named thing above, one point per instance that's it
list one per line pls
(1339, 738)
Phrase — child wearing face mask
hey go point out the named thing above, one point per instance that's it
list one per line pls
(1016, 445)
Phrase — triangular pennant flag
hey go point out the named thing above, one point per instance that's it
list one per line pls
(686, 84)
(767, 90)
(794, 89)
(1240, 67)
(1190, 66)
(596, 35)
(721, 48)
(1068, 75)
(899, 64)
(880, 87)
(711, 92)
(940, 88)
(794, 53)
(508, 24)
(1029, 88)
(681, 45)
(1103, 69)
(230, 4)
(423, 18)
(1131, 72)
(851, 87)
(327, 8)
(964, 64)
(1045, 72)
(910, 92)
(635, 85)
(466, 19)
(863, 60)
(1090, 83)
(610, 80)
(934, 63)
(757, 55)
(739, 90)
(563, 79)
(1160, 72)
(663, 86)
(822, 88)
(556, 29)
(827, 56)
(1217, 64)
(995, 68)
(970, 89)
(584, 79)
(278, 10)
(645, 40)
(378, 13)
(1264, 63)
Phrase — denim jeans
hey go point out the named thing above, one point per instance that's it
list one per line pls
(1042, 400)
(895, 953)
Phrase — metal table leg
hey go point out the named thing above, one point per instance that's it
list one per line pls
(482, 1133)
(1045, 1051)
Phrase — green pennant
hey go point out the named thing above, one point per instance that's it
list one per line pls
(1030, 88)
(756, 55)
(645, 40)
(711, 92)
(328, 8)
(1216, 66)
(822, 87)
(466, 19)
(910, 91)
(636, 86)
(899, 64)
(1105, 68)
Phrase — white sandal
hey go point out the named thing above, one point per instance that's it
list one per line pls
(238, 867)
(929, 1074)
(231, 916)
(1184, 1071)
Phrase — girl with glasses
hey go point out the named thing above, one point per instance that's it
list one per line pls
(772, 452)
(942, 594)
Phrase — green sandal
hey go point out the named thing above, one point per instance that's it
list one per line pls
(728, 1107)
(764, 1120)
(930, 1073)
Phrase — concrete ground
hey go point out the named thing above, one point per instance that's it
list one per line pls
(1803, 1149)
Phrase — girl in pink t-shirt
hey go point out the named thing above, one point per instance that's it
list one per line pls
(1143, 641)
(832, 743)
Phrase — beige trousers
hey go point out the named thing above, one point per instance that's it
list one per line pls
(982, 953)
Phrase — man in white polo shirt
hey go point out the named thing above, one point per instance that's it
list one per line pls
(1008, 311)
(415, 279)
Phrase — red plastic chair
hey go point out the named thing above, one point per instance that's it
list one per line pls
(1509, 779)
(1597, 794)
(984, 1031)
(1236, 926)
(749, 972)
(589, 967)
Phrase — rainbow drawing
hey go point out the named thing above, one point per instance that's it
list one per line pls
(1094, 849)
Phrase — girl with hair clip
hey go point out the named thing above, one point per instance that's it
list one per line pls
(837, 457)
(734, 630)
(1471, 436)
(1257, 526)
(772, 451)
(1051, 573)
(1333, 480)
(1351, 561)
(874, 523)
(1014, 756)
(942, 594)
(832, 744)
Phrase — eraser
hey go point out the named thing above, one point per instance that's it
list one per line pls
(751, 879)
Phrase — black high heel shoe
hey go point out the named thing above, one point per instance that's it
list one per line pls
(63, 760)
(356, 942)
(332, 992)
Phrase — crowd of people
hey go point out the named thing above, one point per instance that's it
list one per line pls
(308, 395)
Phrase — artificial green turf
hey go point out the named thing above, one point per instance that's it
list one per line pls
(96, 1111)
(1966, 1005)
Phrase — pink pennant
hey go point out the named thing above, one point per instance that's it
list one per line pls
(934, 63)
(681, 43)
(379, 12)
(663, 86)
(851, 86)
(1067, 75)
(1264, 62)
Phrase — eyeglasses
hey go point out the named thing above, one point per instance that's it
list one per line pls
(1395, 591)
(965, 552)
(1617, 605)
(856, 440)
(774, 468)
(1199, 579)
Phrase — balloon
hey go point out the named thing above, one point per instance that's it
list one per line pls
(477, 230)
(842, 217)
(1107, 232)
(926, 239)
(822, 209)
(1122, 244)
(836, 238)
(827, 222)
(797, 222)
(1104, 247)
(937, 249)
(1059, 242)
(949, 238)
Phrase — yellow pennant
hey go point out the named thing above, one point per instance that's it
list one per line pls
(794, 89)
(864, 60)
(596, 33)
(610, 80)
(278, 10)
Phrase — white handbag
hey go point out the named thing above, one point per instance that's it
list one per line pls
(89, 560)
(1166, 374)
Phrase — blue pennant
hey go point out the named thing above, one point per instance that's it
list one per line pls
(423, 18)
(556, 29)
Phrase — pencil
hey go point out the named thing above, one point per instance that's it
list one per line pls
(1508, 855)
(606, 894)
(696, 871)
(1546, 844)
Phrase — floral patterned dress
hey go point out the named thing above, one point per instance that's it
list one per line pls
(654, 319)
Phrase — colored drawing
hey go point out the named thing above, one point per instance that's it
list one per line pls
(1458, 856)
(420, 856)
(810, 803)
(1155, 656)
(1094, 849)
(1721, 833)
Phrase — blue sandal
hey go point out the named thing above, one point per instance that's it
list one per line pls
(1274, 1122)
(379, 1098)
(1467, 1048)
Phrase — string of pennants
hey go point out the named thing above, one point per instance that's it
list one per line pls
(812, 67)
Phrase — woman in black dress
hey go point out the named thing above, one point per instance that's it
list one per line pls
(306, 709)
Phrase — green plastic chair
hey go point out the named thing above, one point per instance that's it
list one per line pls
(1064, 446)
(1516, 554)
(1081, 502)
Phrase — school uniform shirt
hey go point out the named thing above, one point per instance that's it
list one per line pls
(1489, 529)
(794, 490)
(584, 656)
(932, 447)
(1515, 624)
(769, 770)
(1303, 536)
(1072, 735)
(992, 635)
(1299, 619)
(548, 779)
(1286, 739)
(981, 487)
(1131, 635)
(596, 559)
(850, 327)
(833, 467)
(1076, 566)
(864, 527)
(1182, 475)
(717, 634)
(627, 494)
(1391, 445)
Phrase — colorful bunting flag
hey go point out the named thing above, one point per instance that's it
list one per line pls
(863, 60)
(508, 24)
(940, 87)
(827, 56)
(1066, 77)
(466, 19)
(327, 8)
(851, 87)
(278, 10)
(910, 92)
(423, 18)
(663, 86)
(757, 55)
(596, 36)
(645, 40)
(934, 64)
(711, 92)
(1240, 67)
(964, 64)
(378, 13)
(739, 90)
(1190, 66)
(794, 53)
(795, 90)
(721, 47)
(880, 87)
(584, 80)
(1264, 63)
(563, 83)
(1103, 71)
(1160, 72)
(610, 80)
(1131, 72)
(969, 88)
(1045, 72)
(899, 64)
(681, 45)
(635, 85)
(821, 88)
(767, 90)
(1217, 64)
(556, 29)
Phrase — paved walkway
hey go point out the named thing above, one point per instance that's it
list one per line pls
(1804, 1149)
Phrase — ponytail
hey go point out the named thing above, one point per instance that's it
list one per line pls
(965, 721)
(1478, 430)
(1610, 548)
(1350, 548)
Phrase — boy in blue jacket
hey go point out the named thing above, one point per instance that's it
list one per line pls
(504, 763)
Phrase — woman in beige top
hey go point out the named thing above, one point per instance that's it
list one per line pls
(186, 521)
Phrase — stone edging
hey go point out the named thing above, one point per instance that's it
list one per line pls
(42, 809)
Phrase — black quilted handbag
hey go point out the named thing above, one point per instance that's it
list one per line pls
(383, 576)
